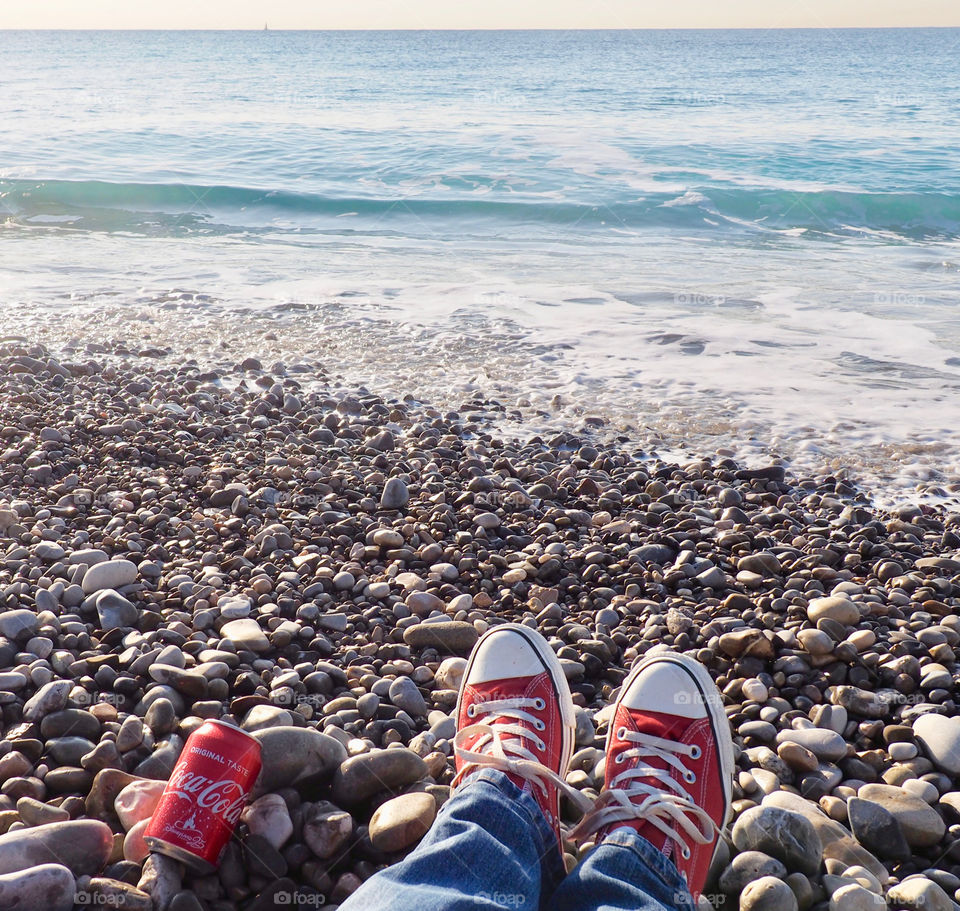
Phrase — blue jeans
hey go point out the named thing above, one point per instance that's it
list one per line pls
(492, 848)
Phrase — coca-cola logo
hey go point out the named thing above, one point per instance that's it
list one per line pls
(224, 798)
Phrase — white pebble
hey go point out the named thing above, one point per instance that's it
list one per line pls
(754, 690)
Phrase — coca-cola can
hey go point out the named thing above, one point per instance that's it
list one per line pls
(205, 795)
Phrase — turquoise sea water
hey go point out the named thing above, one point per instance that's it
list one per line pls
(758, 225)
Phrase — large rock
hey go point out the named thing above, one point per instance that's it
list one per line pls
(50, 887)
(51, 697)
(816, 641)
(748, 866)
(747, 642)
(360, 777)
(115, 611)
(113, 893)
(836, 607)
(823, 744)
(70, 722)
(107, 784)
(782, 834)
(261, 717)
(838, 844)
(947, 564)
(406, 695)
(422, 603)
(326, 828)
(189, 683)
(858, 701)
(922, 825)
(18, 624)
(135, 847)
(919, 894)
(388, 538)
(88, 555)
(768, 894)
(269, 818)
(402, 821)
(11, 681)
(292, 756)
(82, 845)
(137, 801)
(877, 830)
(69, 750)
(395, 494)
(940, 738)
(451, 637)
(161, 880)
(854, 897)
(111, 574)
(246, 634)
(159, 764)
(449, 675)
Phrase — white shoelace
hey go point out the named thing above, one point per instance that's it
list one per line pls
(502, 745)
(667, 806)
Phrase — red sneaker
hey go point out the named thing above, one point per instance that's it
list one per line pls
(515, 713)
(669, 764)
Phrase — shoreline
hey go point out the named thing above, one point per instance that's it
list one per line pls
(535, 385)
(357, 545)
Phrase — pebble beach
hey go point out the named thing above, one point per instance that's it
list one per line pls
(197, 537)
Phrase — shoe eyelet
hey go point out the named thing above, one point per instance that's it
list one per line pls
(471, 711)
(689, 777)
(621, 733)
(685, 854)
(541, 746)
(695, 752)
(618, 759)
(539, 725)
(539, 704)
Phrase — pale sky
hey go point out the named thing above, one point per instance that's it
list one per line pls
(564, 14)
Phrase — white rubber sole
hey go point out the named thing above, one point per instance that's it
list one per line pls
(706, 687)
(551, 664)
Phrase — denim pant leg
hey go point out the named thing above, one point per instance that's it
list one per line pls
(490, 847)
(623, 873)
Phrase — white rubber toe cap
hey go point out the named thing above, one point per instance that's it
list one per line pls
(504, 653)
(665, 686)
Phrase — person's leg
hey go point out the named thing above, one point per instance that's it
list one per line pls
(667, 792)
(490, 847)
(496, 843)
(624, 873)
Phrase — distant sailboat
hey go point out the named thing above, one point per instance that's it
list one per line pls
(266, 27)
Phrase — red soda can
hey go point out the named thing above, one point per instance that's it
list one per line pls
(205, 795)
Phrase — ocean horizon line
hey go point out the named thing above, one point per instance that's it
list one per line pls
(544, 29)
